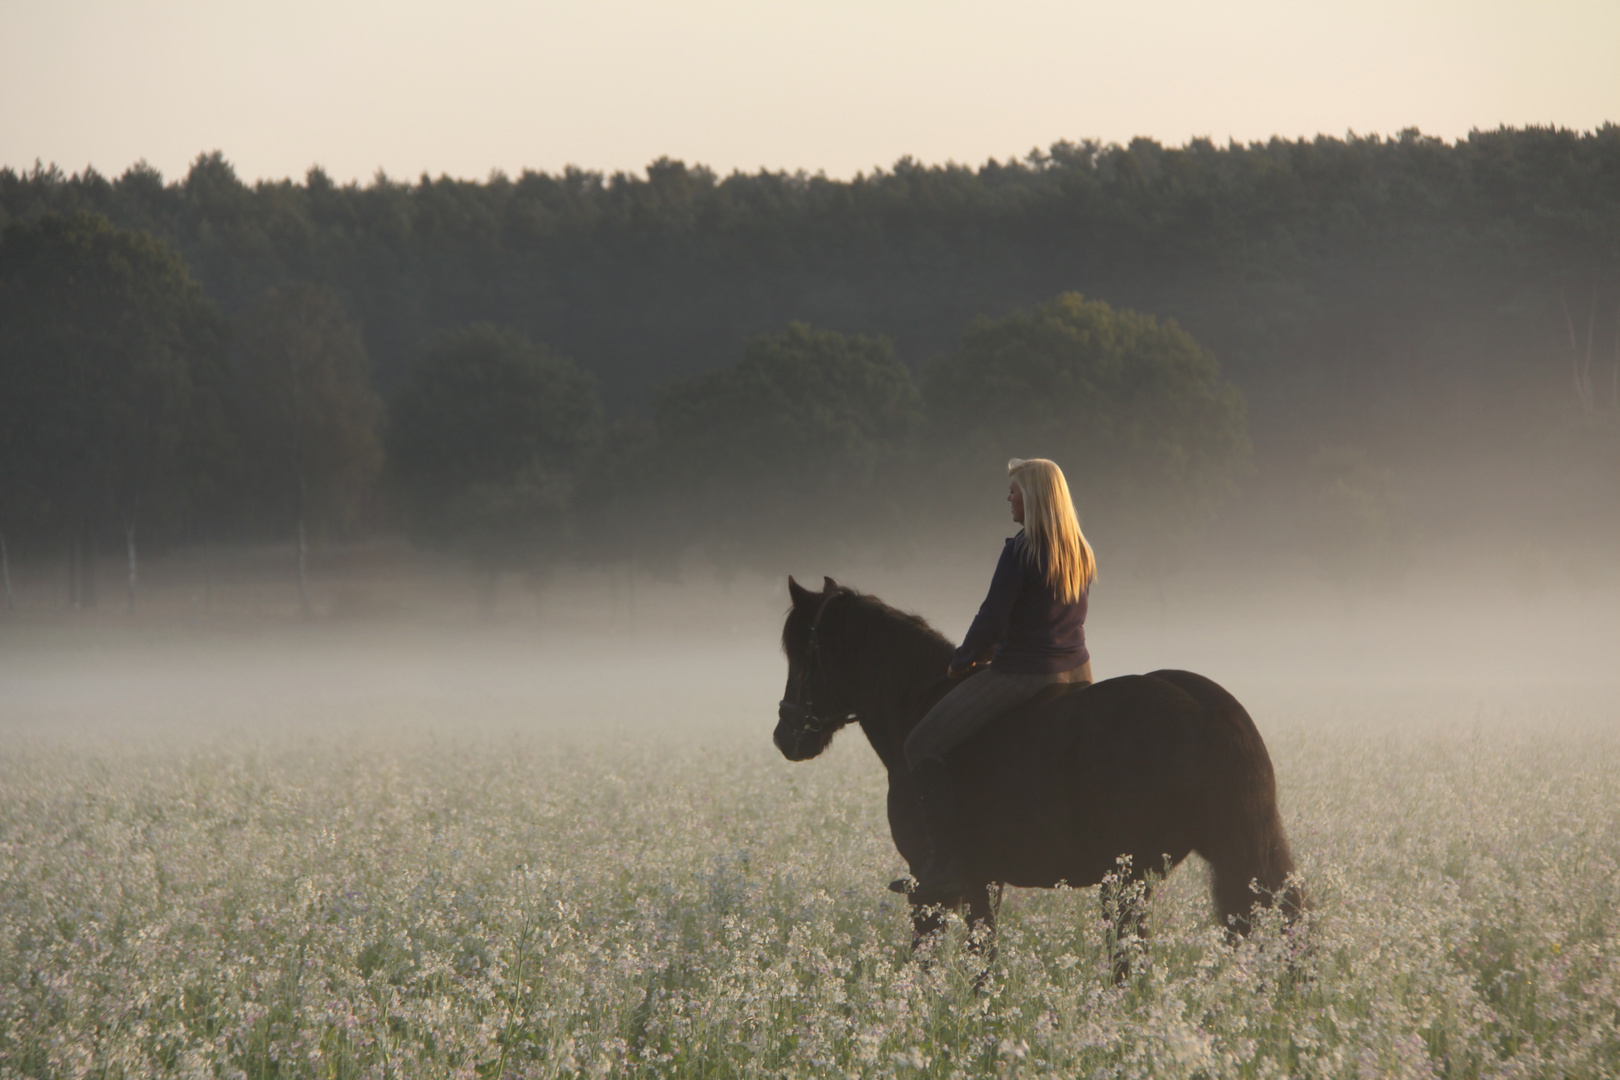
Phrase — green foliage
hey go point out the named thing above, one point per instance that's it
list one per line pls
(799, 440)
(113, 364)
(305, 408)
(1293, 260)
(1400, 292)
(483, 405)
(1136, 413)
(487, 441)
(517, 888)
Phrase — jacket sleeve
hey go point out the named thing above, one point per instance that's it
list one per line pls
(990, 625)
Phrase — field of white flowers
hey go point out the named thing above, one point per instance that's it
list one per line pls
(422, 899)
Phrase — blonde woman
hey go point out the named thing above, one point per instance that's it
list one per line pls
(1030, 629)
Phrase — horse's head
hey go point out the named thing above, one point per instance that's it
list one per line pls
(812, 708)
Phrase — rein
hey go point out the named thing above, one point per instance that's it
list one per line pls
(803, 706)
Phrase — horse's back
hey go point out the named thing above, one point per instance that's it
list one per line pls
(1118, 711)
(1121, 764)
(1230, 729)
(1131, 725)
(1125, 714)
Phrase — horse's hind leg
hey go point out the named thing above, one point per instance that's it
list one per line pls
(1244, 879)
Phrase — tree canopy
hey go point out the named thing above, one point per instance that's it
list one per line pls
(1398, 298)
(484, 404)
(113, 362)
(307, 413)
(801, 438)
(1133, 409)
(305, 404)
(1348, 285)
(487, 438)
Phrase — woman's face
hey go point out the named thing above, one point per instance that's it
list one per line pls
(1016, 497)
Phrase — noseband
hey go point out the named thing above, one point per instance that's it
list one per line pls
(803, 706)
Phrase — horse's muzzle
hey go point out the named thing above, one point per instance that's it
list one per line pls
(795, 728)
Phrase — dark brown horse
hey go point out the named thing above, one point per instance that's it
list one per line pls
(1148, 766)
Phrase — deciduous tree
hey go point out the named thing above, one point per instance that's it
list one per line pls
(310, 418)
(485, 447)
(797, 445)
(113, 360)
(1150, 436)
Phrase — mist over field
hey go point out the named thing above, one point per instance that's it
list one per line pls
(412, 645)
(409, 839)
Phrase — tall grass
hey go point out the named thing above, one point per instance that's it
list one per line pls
(375, 905)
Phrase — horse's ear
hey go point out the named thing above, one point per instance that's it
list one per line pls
(828, 585)
(798, 592)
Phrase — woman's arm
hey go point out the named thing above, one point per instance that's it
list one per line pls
(991, 622)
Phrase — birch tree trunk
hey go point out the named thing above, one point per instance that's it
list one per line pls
(82, 572)
(5, 571)
(632, 598)
(303, 487)
(303, 566)
(1614, 378)
(87, 573)
(129, 554)
(1581, 364)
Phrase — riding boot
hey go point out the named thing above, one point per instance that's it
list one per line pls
(945, 878)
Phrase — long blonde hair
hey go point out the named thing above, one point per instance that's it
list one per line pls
(1053, 541)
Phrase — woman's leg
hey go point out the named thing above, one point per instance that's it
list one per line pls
(956, 718)
(960, 714)
(1081, 674)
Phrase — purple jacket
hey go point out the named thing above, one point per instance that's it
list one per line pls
(1031, 631)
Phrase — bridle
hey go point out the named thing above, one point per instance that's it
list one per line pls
(803, 707)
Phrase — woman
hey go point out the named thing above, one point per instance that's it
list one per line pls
(1031, 628)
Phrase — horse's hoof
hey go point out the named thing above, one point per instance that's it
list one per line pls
(902, 885)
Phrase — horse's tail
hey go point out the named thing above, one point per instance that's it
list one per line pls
(1243, 836)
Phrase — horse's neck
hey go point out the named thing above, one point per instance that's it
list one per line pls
(886, 729)
(894, 699)
(889, 747)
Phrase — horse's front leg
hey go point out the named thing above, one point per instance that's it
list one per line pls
(981, 920)
(978, 906)
(983, 904)
(927, 925)
(1125, 909)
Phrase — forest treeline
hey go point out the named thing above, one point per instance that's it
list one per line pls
(136, 411)
(1312, 267)
(1372, 303)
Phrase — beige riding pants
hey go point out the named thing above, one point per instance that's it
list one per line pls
(974, 703)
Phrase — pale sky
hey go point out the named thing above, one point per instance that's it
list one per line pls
(839, 86)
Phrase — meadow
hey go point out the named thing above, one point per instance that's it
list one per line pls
(411, 870)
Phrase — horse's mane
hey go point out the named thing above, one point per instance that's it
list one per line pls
(898, 640)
